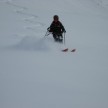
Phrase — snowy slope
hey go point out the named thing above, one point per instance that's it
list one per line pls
(34, 73)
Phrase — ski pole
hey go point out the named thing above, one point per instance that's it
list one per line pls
(47, 33)
(64, 38)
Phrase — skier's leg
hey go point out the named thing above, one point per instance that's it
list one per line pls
(60, 38)
(55, 36)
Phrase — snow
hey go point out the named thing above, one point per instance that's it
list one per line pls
(34, 73)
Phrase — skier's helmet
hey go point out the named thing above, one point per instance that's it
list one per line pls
(56, 17)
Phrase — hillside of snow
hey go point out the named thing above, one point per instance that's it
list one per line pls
(34, 73)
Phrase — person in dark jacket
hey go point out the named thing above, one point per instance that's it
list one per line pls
(57, 29)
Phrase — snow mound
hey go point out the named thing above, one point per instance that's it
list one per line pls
(32, 43)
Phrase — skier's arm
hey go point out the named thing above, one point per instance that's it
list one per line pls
(63, 29)
(51, 27)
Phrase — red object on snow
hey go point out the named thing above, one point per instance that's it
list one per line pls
(65, 50)
(73, 50)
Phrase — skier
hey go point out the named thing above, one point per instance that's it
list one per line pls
(57, 29)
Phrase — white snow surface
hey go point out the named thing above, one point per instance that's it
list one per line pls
(34, 73)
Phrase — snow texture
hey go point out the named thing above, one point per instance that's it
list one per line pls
(35, 73)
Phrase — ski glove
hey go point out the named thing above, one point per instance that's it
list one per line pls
(64, 31)
(48, 28)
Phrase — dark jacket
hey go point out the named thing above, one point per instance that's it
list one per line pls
(56, 27)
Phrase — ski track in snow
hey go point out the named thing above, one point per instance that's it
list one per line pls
(10, 2)
(101, 3)
(26, 14)
(32, 23)
(31, 19)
